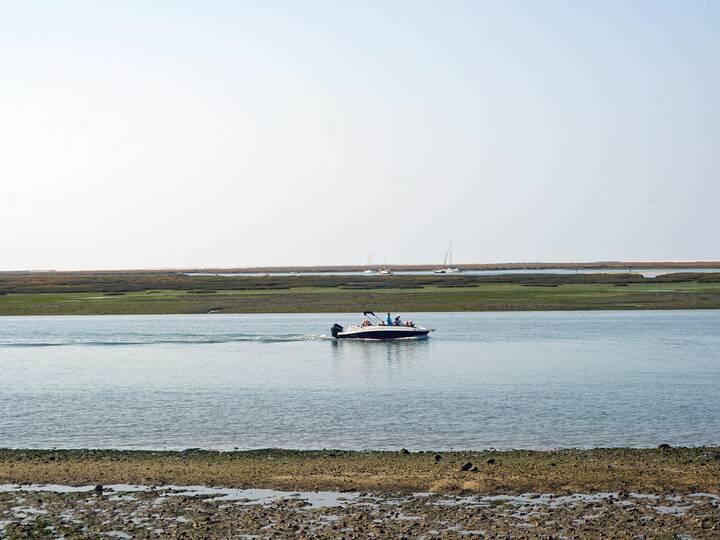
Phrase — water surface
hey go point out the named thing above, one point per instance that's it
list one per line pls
(503, 380)
(645, 272)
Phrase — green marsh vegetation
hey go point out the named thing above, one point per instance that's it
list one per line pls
(96, 293)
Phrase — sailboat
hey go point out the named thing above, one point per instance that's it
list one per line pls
(368, 269)
(447, 266)
(385, 271)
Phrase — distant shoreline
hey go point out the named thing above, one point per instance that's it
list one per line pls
(591, 265)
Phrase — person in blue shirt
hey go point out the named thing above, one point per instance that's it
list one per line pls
(389, 320)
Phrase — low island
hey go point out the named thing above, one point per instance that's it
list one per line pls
(173, 292)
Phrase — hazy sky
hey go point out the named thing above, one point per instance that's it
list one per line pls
(231, 133)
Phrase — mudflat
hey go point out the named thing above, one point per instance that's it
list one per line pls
(176, 512)
(599, 493)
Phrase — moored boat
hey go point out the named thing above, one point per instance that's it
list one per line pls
(368, 267)
(373, 327)
(447, 266)
(385, 270)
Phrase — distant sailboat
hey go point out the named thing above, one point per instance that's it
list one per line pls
(447, 265)
(368, 269)
(385, 270)
(450, 268)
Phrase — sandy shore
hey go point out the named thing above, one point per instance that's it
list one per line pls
(617, 493)
(660, 471)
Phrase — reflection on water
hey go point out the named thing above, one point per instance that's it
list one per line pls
(369, 351)
(525, 380)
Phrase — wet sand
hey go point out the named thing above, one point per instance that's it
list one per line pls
(618, 493)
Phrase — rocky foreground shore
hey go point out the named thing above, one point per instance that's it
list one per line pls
(618, 493)
(179, 513)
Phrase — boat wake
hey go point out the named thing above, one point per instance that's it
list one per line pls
(180, 339)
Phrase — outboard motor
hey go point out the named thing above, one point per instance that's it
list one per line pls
(335, 330)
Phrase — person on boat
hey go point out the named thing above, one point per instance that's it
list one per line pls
(397, 321)
(389, 320)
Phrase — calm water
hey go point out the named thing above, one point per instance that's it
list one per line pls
(645, 272)
(503, 380)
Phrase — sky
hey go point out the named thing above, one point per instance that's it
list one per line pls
(218, 133)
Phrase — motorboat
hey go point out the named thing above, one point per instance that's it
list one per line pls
(373, 327)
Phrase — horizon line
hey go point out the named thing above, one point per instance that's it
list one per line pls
(529, 265)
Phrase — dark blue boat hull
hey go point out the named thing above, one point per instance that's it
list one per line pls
(385, 335)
